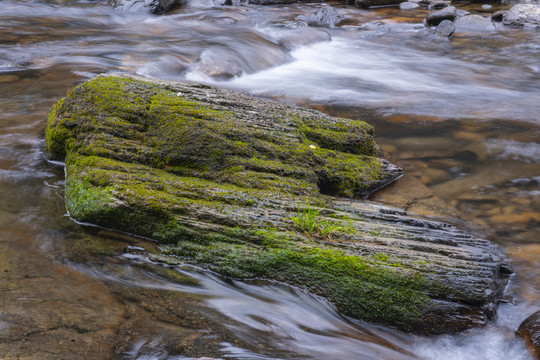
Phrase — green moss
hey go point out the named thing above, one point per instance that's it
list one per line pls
(355, 284)
(217, 185)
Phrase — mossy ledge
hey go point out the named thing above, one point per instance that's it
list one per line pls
(216, 177)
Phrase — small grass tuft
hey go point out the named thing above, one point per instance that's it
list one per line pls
(309, 222)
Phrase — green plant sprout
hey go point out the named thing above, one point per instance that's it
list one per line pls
(309, 222)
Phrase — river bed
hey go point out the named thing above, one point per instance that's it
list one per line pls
(459, 115)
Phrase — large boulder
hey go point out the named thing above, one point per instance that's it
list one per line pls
(527, 15)
(245, 187)
(529, 330)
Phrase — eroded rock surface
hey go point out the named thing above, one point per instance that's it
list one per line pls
(240, 186)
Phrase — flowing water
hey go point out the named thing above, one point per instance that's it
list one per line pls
(460, 116)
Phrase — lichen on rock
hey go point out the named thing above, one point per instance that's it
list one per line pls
(217, 178)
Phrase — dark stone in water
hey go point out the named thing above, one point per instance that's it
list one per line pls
(529, 330)
(445, 29)
(326, 16)
(229, 182)
(435, 18)
(498, 16)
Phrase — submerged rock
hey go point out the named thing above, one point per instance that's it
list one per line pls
(527, 15)
(296, 38)
(240, 186)
(529, 330)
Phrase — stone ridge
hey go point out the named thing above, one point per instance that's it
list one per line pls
(240, 186)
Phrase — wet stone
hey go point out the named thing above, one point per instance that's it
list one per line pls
(529, 330)
(445, 29)
(298, 22)
(435, 18)
(498, 16)
(474, 23)
(326, 16)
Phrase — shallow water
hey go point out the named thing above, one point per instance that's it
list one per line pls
(460, 116)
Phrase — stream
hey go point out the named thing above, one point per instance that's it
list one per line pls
(460, 116)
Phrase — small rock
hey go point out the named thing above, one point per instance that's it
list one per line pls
(486, 6)
(474, 23)
(408, 5)
(326, 16)
(435, 18)
(530, 331)
(522, 15)
(437, 5)
(445, 29)
(498, 16)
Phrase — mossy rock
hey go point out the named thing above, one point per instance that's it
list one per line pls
(217, 178)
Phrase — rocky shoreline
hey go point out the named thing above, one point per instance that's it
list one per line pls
(247, 187)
